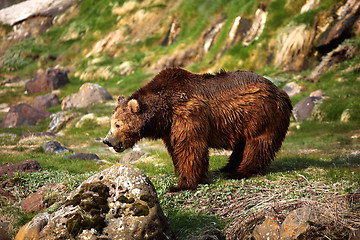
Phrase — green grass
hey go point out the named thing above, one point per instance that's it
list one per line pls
(192, 226)
(317, 151)
(42, 125)
(17, 217)
(21, 55)
(53, 162)
(319, 135)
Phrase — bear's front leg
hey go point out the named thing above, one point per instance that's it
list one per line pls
(191, 155)
(193, 168)
(170, 149)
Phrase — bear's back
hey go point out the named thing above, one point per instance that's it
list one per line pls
(177, 80)
(227, 82)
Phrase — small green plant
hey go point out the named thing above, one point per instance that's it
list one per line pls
(21, 55)
(18, 177)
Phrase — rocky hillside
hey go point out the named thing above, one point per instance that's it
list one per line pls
(62, 63)
(123, 43)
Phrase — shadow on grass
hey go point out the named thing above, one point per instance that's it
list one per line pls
(191, 226)
(296, 163)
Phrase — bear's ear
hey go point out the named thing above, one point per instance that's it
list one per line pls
(120, 100)
(133, 106)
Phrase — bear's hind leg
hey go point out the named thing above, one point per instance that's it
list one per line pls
(234, 159)
(258, 154)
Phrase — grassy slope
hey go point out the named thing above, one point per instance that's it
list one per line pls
(315, 149)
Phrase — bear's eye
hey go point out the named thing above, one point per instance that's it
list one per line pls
(117, 125)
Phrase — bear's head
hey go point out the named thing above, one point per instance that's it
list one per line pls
(126, 125)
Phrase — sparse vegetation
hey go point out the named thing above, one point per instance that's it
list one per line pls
(319, 160)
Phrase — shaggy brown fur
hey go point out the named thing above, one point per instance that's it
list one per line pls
(238, 110)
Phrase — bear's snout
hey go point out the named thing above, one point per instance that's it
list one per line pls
(106, 141)
(117, 147)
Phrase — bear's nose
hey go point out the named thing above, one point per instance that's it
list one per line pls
(105, 141)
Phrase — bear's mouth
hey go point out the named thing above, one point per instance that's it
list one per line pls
(119, 148)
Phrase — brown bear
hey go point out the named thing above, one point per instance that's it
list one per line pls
(191, 113)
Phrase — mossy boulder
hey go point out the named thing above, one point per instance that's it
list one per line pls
(117, 203)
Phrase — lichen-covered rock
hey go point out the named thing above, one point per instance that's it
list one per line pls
(269, 229)
(298, 223)
(117, 203)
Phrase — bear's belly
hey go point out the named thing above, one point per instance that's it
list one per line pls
(223, 141)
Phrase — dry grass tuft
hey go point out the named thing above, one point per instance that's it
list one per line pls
(339, 213)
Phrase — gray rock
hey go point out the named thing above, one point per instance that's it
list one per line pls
(173, 33)
(89, 94)
(292, 88)
(55, 122)
(132, 156)
(117, 203)
(60, 120)
(23, 114)
(26, 9)
(46, 101)
(53, 147)
(84, 156)
(304, 108)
